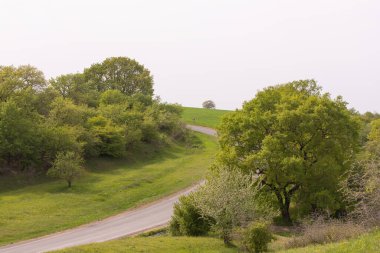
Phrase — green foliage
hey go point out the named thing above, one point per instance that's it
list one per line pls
(187, 219)
(65, 112)
(111, 97)
(67, 166)
(108, 110)
(111, 139)
(14, 80)
(120, 73)
(257, 237)
(75, 88)
(20, 135)
(297, 140)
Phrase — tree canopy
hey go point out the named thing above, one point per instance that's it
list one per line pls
(120, 73)
(298, 141)
(108, 110)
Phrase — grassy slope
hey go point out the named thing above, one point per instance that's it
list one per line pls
(30, 210)
(156, 245)
(202, 117)
(369, 243)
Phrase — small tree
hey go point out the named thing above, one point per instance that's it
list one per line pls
(209, 104)
(67, 166)
(229, 198)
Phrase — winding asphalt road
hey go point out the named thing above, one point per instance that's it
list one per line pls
(128, 223)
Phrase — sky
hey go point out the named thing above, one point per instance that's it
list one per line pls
(205, 49)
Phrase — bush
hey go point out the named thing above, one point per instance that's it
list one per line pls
(256, 237)
(322, 231)
(187, 219)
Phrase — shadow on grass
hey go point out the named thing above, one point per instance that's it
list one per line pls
(96, 167)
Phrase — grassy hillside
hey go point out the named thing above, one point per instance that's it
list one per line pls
(203, 117)
(369, 243)
(156, 245)
(32, 209)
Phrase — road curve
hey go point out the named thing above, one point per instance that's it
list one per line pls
(127, 223)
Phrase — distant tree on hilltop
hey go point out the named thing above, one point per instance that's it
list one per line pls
(209, 104)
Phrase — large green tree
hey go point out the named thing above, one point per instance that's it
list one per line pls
(14, 79)
(120, 73)
(296, 139)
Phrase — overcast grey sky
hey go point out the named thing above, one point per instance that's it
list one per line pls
(207, 49)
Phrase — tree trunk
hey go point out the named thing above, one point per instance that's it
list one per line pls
(226, 237)
(284, 203)
(284, 197)
(69, 183)
(285, 212)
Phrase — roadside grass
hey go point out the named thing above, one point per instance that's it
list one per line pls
(203, 117)
(32, 208)
(162, 244)
(366, 243)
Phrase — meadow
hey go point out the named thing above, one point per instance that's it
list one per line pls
(32, 207)
(203, 117)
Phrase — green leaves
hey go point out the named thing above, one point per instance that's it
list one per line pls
(292, 134)
(120, 73)
(67, 166)
(106, 111)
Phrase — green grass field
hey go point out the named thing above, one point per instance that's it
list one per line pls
(368, 243)
(157, 245)
(42, 206)
(203, 117)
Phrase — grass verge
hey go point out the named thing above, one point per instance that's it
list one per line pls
(367, 243)
(157, 245)
(30, 209)
(203, 117)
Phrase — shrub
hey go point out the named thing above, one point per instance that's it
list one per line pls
(256, 237)
(187, 219)
(322, 231)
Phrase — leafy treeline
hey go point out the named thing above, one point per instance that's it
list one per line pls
(108, 110)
